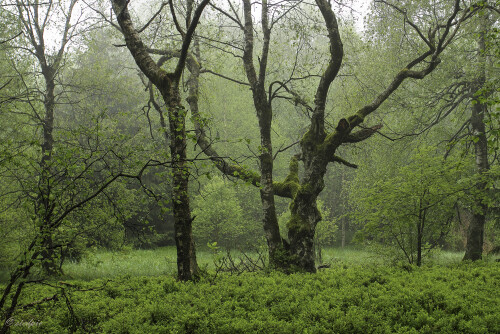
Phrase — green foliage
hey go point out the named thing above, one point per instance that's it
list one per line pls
(220, 218)
(360, 299)
(326, 230)
(417, 202)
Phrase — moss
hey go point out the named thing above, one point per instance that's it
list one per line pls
(356, 118)
(294, 167)
(291, 184)
(297, 224)
(308, 139)
(305, 189)
(251, 175)
(246, 174)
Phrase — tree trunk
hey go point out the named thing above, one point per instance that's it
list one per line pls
(168, 85)
(419, 243)
(187, 267)
(301, 228)
(304, 211)
(44, 205)
(270, 221)
(475, 234)
(264, 111)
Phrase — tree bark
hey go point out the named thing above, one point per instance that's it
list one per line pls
(343, 227)
(44, 204)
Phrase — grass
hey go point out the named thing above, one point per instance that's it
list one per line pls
(162, 261)
(137, 262)
(349, 255)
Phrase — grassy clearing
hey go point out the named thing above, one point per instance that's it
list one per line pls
(154, 262)
(349, 255)
(108, 264)
(162, 261)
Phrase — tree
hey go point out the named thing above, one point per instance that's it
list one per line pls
(413, 210)
(319, 144)
(466, 96)
(475, 235)
(34, 18)
(56, 169)
(167, 84)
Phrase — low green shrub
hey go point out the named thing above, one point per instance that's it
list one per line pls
(459, 298)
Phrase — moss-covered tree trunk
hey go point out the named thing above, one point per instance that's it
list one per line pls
(187, 266)
(270, 220)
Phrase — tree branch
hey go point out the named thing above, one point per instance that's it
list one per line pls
(137, 48)
(342, 161)
(362, 134)
(188, 37)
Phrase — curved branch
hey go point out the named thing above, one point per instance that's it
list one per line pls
(137, 48)
(188, 37)
(362, 134)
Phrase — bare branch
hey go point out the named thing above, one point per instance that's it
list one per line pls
(152, 18)
(174, 17)
(232, 18)
(11, 38)
(362, 134)
(225, 77)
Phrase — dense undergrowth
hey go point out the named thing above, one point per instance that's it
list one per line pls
(457, 298)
